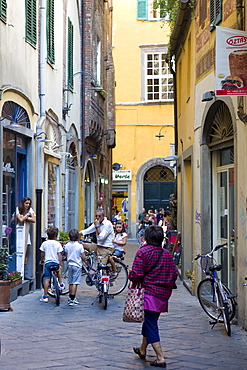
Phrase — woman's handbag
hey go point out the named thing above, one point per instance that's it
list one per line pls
(134, 304)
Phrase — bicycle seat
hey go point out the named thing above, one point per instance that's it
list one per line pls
(104, 267)
(215, 268)
(54, 267)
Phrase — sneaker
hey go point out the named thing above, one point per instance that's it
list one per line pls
(70, 302)
(75, 301)
(50, 291)
(44, 299)
(62, 286)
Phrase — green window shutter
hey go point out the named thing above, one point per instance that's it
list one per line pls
(50, 32)
(70, 53)
(3, 10)
(31, 21)
(215, 13)
(142, 9)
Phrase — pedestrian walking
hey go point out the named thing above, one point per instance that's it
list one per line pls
(154, 269)
(75, 255)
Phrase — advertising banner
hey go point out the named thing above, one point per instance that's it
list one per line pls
(231, 62)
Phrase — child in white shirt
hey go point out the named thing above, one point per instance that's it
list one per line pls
(75, 255)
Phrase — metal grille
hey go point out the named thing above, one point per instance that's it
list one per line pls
(159, 173)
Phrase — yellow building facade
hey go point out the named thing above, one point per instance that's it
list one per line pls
(211, 145)
(144, 111)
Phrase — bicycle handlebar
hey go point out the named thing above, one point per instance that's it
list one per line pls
(210, 254)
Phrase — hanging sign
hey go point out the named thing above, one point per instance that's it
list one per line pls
(231, 62)
(122, 175)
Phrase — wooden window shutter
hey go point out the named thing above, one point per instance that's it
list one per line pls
(142, 9)
(3, 10)
(50, 32)
(70, 53)
(31, 21)
(215, 13)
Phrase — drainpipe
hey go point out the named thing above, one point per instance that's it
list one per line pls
(240, 26)
(39, 162)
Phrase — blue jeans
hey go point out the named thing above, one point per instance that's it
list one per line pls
(150, 328)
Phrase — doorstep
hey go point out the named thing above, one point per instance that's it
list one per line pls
(22, 289)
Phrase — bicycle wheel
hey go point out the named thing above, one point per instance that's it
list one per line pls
(105, 298)
(118, 284)
(207, 299)
(56, 289)
(89, 261)
(224, 312)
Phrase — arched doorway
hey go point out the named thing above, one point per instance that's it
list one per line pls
(218, 135)
(159, 183)
(71, 199)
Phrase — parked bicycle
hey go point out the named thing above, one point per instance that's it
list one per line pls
(214, 297)
(54, 289)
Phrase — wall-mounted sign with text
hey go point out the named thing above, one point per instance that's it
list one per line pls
(122, 175)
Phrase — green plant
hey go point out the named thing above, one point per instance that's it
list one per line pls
(12, 275)
(188, 274)
(169, 9)
(63, 236)
(4, 258)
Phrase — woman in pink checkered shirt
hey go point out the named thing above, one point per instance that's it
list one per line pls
(158, 280)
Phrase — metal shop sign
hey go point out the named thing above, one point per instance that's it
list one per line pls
(121, 175)
(231, 62)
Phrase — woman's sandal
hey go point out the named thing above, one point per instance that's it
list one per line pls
(156, 364)
(114, 275)
(138, 352)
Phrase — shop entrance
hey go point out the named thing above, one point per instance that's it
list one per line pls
(159, 183)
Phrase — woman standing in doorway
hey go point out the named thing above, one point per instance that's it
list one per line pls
(25, 215)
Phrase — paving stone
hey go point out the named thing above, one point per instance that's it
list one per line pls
(43, 336)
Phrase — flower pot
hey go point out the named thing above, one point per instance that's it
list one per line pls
(5, 295)
(15, 282)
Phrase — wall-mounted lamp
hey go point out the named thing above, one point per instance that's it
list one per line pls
(208, 95)
(172, 158)
(104, 180)
(39, 137)
(12, 124)
(159, 134)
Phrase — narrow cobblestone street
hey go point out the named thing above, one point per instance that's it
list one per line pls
(43, 336)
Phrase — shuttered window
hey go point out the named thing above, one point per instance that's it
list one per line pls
(3, 10)
(70, 53)
(215, 13)
(31, 21)
(142, 9)
(50, 32)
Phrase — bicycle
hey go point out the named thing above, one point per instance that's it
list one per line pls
(54, 289)
(214, 297)
(106, 285)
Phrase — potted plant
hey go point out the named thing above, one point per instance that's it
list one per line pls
(63, 237)
(7, 280)
(4, 283)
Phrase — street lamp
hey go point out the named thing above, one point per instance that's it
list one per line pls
(159, 134)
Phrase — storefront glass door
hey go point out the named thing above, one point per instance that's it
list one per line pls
(224, 217)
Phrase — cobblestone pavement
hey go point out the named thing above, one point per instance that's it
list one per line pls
(39, 335)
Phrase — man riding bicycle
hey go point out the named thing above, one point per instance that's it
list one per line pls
(105, 235)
